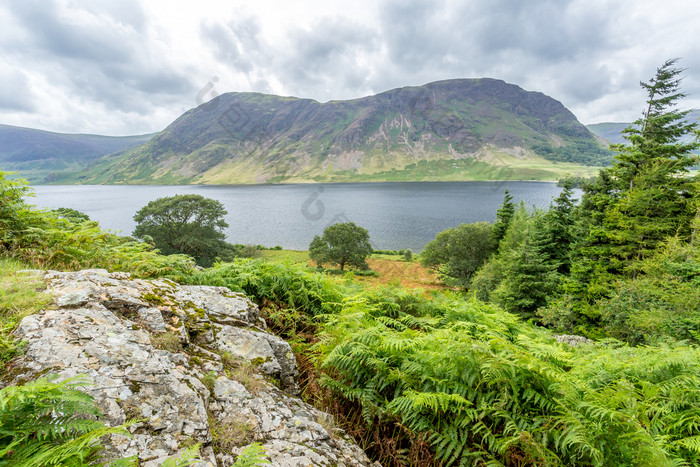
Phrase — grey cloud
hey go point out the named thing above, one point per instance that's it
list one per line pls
(55, 35)
(15, 93)
(104, 56)
(237, 43)
(330, 50)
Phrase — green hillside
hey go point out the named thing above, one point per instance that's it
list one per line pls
(468, 129)
(39, 155)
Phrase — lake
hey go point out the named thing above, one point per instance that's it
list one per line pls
(397, 215)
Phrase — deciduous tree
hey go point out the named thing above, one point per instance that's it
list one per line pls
(457, 253)
(189, 224)
(344, 244)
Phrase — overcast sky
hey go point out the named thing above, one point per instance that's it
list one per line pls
(132, 66)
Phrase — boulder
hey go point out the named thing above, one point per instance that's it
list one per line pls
(194, 363)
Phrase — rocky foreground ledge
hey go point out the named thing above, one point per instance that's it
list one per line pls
(194, 362)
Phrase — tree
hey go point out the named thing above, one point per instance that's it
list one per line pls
(457, 253)
(342, 244)
(530, 274)
(503, 217)
(645, 196)
(189, 224)
(556, 234)
(657, 137)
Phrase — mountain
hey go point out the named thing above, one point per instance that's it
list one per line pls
(463, 129)
(38, 155)
(612, 131)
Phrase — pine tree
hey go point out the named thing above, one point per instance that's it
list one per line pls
(531, 275)
(503, 217)
(557, 229)
(657, 137)
(645, 197)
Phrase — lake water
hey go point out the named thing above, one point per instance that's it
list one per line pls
(397, 215)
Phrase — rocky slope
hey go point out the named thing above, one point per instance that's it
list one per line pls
(463, 128)
(194, 362)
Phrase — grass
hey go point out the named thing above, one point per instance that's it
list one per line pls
(282, 256)
(226, 435)
(169, 341)
(391, 269)
(394, 270)
(21, 294)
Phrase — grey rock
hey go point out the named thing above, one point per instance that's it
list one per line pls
(152, 318)
(572, 339)
(105, 326)
(273, 355)
(70, 299)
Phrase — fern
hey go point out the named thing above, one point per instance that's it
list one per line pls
(252, 456)
(45, 423)
(188, 457)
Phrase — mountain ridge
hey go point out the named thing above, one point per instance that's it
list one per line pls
(457, 129)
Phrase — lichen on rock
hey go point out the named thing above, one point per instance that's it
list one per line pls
(104, 325)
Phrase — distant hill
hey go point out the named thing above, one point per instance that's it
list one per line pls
(39, 155)
(465, 129)
(612, 131)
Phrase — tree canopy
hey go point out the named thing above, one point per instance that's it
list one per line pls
(344, 244)
(189, 224)
(457, 253)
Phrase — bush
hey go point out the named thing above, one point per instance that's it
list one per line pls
(43, 240)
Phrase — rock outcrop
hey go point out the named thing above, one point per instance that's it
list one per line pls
(194, 363)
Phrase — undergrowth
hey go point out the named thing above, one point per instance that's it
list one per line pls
(46, 240)
(455, 381)
(21, 294)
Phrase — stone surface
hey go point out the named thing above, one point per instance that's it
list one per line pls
(572, 339)
(192, 361)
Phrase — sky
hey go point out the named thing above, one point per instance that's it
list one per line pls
(133, 66)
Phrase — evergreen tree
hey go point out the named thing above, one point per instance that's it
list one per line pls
(656, 139)
(531, 273)
(488, 277)
(556, 234)
(504, 215)
(645, 197)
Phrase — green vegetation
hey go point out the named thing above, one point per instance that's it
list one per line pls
(252, 456)
(20, 295)
(448, 378)
(472, 381)
(47, 423)
(41, 239)
(457, 253)
(342, 244)
(186, 224)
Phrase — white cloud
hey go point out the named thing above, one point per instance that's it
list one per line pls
(133, 67)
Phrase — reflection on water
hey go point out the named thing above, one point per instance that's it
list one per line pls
(397, 215)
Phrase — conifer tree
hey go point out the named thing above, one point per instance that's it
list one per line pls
(645, 196)
(503, 217)
(557, 229)
(531, 274)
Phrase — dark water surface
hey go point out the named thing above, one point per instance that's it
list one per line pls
(397, 215)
